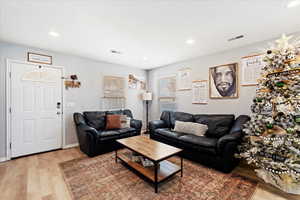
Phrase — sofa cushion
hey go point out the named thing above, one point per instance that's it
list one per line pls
(129, 134)
(128, 113)
(218, 125)
(168, 133)
(180, 116)
(165, 116)
(126, 130)
(109, 135)
(96, 119)
(200, 143)
(114, 112)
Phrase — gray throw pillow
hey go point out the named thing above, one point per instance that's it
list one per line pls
(191, 128)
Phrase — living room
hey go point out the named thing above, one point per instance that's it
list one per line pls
(149, 99)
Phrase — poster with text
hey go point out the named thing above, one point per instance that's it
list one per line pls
(251, 68)
(199, 92)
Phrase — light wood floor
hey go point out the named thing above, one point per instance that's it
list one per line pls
(39, 177)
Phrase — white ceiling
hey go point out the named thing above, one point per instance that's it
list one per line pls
(156, 29)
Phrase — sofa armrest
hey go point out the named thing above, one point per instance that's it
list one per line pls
(137, 124)
(87, 138)
(89, 129)
(232, 137)
(235, 134)
(239, 123)
(155, 124)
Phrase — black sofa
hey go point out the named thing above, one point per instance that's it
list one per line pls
(215, 149)
(92, 136)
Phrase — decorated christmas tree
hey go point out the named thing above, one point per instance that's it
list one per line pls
(272, 136)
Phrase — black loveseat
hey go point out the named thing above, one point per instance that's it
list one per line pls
(92, 136)
(215, 149)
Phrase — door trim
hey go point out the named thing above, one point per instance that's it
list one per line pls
(8, 103)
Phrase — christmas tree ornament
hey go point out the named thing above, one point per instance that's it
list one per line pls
(287, 95)
(275, 130)
(259, 99)
(280, 84)
(267, 108)
(269, 126)
(297, 118)
(255, 139)
(290, 130)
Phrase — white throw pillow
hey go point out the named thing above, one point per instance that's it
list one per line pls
(125, 121)
(190, 127)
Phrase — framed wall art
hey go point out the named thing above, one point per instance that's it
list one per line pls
(114, 87)
(184, 79)
(167, 88)
(136, 82)
(39, 58)
(223, 81)
(251, 68)
(199, 92)
(132, 81)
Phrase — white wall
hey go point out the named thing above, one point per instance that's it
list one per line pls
(87, 97)
(200, 67)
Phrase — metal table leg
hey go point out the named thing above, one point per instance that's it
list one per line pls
(116, 152)
(181, 166)
(155, 177)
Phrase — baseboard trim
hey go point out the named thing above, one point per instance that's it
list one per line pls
(70, 146)
(3, 159)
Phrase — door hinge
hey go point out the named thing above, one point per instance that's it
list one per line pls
(9, 74)
(10, 145)
(9, 110)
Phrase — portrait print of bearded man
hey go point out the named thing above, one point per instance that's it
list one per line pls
(224, 81)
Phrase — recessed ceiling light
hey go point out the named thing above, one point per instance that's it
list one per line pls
(145, 58)
(190, 41)
(294, 3)
(54, 34)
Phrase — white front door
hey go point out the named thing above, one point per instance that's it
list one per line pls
(36, 108)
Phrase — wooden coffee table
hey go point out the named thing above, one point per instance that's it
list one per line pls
(155, 151)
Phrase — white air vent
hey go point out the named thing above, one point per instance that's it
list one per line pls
(236, 38)
(115, 51)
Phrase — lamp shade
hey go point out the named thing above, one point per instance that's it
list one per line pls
(147, 96)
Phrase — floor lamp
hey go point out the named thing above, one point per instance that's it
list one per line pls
(147, 96)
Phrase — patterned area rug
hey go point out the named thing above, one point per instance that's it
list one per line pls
(101, 178)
